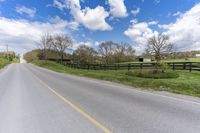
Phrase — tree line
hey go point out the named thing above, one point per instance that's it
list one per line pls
(55, 47)
(8, 55)
(108, 52)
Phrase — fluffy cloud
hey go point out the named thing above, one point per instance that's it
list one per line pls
(76, 44)
(59, 4)
(117, 8)
(23, 35)
(25, 10)
(73, 25)
(139, 33)
(177, 14)
(94, 19)
(156, 1)
(90, 43)
(185, 32)
(135, 12)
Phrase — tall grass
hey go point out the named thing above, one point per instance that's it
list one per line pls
(3, 62)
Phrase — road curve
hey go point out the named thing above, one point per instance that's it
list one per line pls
(37, 100)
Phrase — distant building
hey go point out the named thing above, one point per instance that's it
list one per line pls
(141, 59)
(198, 55)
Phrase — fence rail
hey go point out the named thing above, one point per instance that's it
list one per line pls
(190, 66)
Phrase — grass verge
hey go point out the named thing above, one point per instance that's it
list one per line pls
(15, 60)
(188, 83)
(3, 63)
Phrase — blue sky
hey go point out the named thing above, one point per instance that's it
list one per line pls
(92, 21)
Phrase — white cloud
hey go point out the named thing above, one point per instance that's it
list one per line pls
(77, 44)
(22, 35)
(133, 21)
(93, 19)
(156, 1)
(25, 10)
(185, 32)
(140, 33)
(63, 23)
(135, 12)
(178, 13)
(59, 4)
(90, 43)
(164, 26)
(117, 8)
(152, 23)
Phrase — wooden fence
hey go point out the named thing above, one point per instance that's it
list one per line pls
(190, 66)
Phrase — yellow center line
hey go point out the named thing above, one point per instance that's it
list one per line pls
(83, 113)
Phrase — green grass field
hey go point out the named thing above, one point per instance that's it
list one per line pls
(187, 83)
(15, 60)
(171, 60)
(4, 62)
(184, 60)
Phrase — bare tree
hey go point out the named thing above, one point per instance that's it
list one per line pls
(45, 45)
(106, 51)
(61, 43)
(85, 54)
(112, 52)
(124, 52)
(158, 46)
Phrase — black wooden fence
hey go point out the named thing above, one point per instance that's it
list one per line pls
(190, 66)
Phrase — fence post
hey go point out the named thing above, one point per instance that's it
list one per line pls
(88, 67)
(190, 66)
(141, 66)
(115, 66)
(128, 67)
(173, 66)
(184, 66)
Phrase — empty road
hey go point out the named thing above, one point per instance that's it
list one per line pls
(37, 100)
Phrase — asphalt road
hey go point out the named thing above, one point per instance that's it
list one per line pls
(36, 100)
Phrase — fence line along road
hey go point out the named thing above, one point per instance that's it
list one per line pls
(190, 66)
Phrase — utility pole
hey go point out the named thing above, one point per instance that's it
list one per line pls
(7, 55)
(7, 48)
